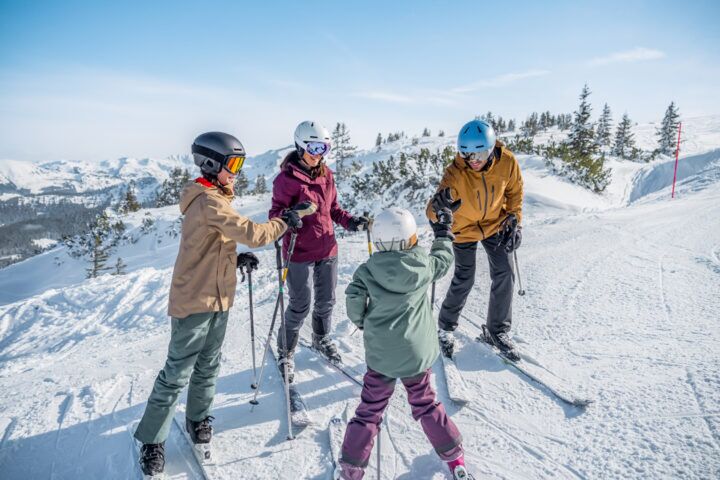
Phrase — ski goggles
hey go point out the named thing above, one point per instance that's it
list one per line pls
(317, 148)
(234, 163)
(476, 157)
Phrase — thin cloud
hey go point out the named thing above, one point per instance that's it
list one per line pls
(385, 97)
(637, 54)
(500, 80)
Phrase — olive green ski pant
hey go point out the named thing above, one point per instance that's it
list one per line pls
(194, 355)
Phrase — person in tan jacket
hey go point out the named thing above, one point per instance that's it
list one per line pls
(485, 175)
(201, 294)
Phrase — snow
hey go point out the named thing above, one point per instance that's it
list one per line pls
(44, 242)
(621, 303)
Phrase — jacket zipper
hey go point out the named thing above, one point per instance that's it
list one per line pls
(486, 198)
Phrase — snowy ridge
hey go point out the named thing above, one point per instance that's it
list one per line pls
(621, 303)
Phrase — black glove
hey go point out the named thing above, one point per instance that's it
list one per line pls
(357, 224)
(443, 199)
(510, 234)
(247, 261)
(291, 218)
(443, 227)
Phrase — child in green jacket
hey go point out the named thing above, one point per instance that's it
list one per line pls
(388, 300)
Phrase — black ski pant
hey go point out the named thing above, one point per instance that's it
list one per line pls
(324, 280)
(499, 316)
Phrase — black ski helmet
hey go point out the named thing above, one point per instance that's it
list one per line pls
(211, 150)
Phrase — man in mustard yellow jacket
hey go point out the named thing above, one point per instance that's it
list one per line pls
(485, 175)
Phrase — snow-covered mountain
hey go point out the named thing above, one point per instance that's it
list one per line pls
(621, 305)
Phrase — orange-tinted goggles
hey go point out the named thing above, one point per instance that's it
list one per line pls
(234, 163)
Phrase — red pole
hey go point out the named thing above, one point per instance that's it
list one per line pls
(677, 155)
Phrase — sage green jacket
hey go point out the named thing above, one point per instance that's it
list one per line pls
(388, 299)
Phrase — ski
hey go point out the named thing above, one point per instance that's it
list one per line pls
(298, 409)
(299, 414)
(457, 391)
(340, 367)
(534, 373)
(532, 370)
(336, 431)
(201, 452)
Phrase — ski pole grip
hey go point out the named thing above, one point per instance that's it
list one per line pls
(305, 208)
(366, 214)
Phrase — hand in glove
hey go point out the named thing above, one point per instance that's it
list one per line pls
(510, 234)
(443, 199)
(443, 227)
(247, 261)
(292, 216)
(357, 224)
(444, 206)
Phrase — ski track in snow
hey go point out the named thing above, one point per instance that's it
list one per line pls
(621, 303)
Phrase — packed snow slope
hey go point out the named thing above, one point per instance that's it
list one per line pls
(622, 303)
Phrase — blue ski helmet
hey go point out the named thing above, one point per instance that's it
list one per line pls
(476, 136)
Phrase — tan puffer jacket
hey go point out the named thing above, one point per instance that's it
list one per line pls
(204, 277)
(487, 197)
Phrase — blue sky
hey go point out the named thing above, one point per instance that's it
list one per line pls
(100, 79)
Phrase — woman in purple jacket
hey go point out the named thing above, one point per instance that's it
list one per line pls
(305, 177)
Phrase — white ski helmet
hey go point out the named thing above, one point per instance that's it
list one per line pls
(394, 229)
(309, 132)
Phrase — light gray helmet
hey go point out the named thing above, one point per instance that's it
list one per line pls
(211, 151)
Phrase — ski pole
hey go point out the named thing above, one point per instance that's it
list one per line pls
(379, 456)
(366, 214)
(278, 306)
(255, 401)
(521, 291)
(282, 278)
(254, 383)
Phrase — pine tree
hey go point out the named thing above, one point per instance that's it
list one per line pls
(241, 184)
(582, 136)
(98, 257)
(260, 185)
(342, 148)
(511, 125)
(129, 203)
(169, 192)
(531, 125)
(379, 141)
(668, 131)
(624, 139)
(119, 267)
(604, 135)
(441, 133)
(489, 118)
(426, 132)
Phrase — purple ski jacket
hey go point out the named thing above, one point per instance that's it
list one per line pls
(316, 238)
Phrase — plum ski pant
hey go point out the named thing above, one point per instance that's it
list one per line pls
(363, 428)
(300, 284)
(499, 316)
(194, 356)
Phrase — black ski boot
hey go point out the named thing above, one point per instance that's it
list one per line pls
(286, 358)
(200, 435)
(503, 342)
(447, 343)
(200, 432)
(326, 347)
(152, 459)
